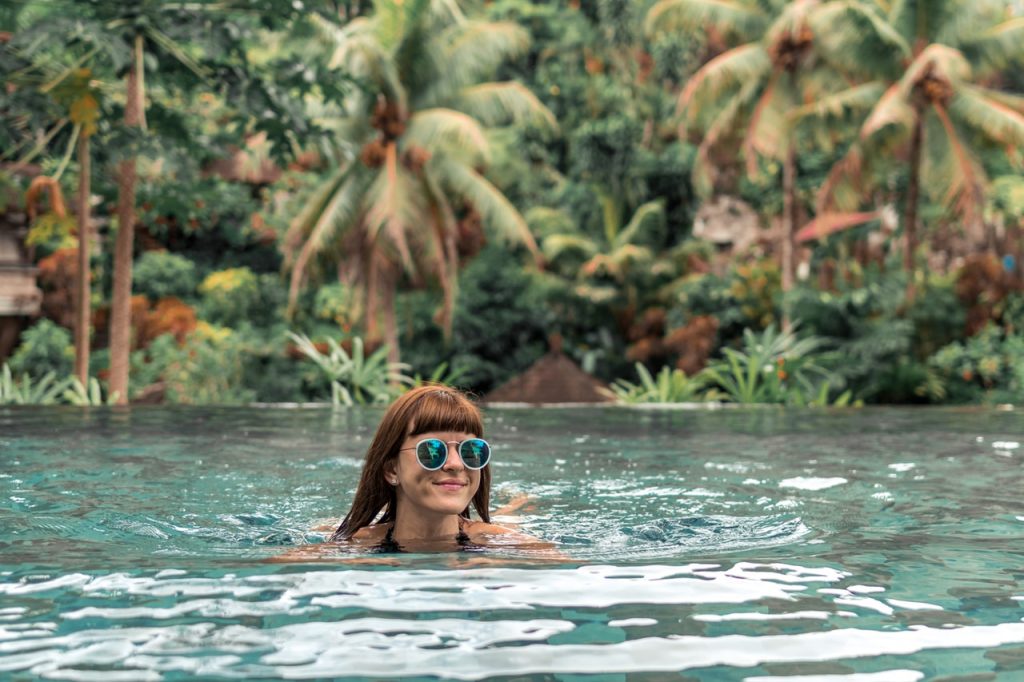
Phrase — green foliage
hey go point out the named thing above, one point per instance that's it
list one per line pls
(1008, 196)
(499, 329)
(230, 296)
(181, 209)
(883, 346)
(355, 378)
(745, 298)
(988, 367)
(338, 303)
(670, 386)
(45, 347)
(206, 370)
(775, 367)
(28, 391)
(159, 274)
(81, 395)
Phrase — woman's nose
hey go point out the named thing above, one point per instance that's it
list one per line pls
(454, 460)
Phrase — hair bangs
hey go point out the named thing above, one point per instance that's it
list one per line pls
(445, 411)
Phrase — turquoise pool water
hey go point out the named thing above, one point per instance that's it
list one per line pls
(865, 546)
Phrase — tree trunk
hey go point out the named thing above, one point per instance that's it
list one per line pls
(120, 310)
(82, 301)
(390, 322)
(910, 210)
(789, 218)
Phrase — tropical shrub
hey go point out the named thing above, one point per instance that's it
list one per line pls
(882, 346)
(988, 367)
(356, 378)
(28, 391)
(45, 347)
(745, 298)
(207, 369)
(161, 274)
(87, 395)
(775, 367)
(670, 386)
(230, 296)
(500, 324)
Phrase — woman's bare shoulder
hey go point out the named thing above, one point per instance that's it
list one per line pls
(482, 531)
(371, 533)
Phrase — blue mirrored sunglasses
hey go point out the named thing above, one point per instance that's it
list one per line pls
(432, 453)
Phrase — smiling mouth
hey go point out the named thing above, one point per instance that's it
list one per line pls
(451, 485)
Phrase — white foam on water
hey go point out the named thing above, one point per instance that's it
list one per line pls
(631, 622)
(811, 483)
(902, 466)
(914, 605)
(585, 587)
(865, 589)
(754, 616)
(463, 649)
(882, 676)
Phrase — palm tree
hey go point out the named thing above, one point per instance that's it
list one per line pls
(623, 254)
(750, 88)
(414, 147)
(924, 91)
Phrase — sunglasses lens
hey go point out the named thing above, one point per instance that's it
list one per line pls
(475, 453)
(432, 453)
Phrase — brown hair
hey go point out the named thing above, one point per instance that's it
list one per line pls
(433, 407)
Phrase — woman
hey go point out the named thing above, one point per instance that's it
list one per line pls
(427, 465)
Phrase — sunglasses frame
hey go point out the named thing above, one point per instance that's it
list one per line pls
(447, 452)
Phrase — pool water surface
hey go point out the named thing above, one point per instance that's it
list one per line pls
(869, 545)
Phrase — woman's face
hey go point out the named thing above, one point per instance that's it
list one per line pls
(447, 490)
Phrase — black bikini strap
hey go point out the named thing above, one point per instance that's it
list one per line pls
(388, 545)
(462, 538)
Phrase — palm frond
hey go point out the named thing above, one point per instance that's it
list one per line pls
(357, 49)
(843, 187)
(545, 221)
(731, 69)
(736, 17)
(999, 122)
(936, 61)
(855, 37)
(303, 223)
(997, 47)
(625, 257)
(830, 223)
(496, 104)
(439, 129)
(445, 254)
(727, 120)
(838, 105)
(176, 50)
(647, 226)
(394, 203)
(475, 49)
(892, 109)
(497, 211)
(953, 175)
(339, 213)
(557, 245)
(767, 130)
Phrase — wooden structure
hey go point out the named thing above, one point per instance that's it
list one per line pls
(20, 298)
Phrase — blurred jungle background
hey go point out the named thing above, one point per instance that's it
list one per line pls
(816, 202)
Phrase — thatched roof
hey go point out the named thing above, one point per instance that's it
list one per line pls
(553, 379)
